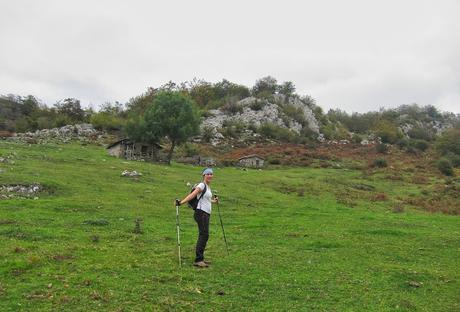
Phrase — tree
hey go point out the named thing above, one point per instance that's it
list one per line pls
(448, 142)
(71, 108)
(265, 85)
(171, 115)
(387, 131)
(287, 88)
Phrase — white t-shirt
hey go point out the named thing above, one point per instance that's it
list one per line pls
(205, 202)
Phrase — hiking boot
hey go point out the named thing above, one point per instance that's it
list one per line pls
(201, 264)
(208, 262)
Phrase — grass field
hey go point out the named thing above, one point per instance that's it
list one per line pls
(300, 239)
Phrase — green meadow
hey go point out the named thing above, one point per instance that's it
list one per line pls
(300, 239)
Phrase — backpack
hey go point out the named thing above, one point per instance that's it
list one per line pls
(193, 203)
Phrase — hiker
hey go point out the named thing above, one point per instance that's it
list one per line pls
(202, 214)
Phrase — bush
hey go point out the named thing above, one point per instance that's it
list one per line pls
(421, 145)
(274, 161)
(402, 143)
(295, 113)
(445, 166)
(105, 121)
(257, 105)
(454, 159)
(381, 148)
(357, 139)
(232, 107)
(380, 163)
(270, 130)
(420, 133)
(207, 133)
(232, 128)
(448, 142)
(190, 150)
(387, 131)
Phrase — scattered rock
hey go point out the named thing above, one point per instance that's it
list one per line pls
(415, 284)
(80, 132)
(20, 191)
(133, 173)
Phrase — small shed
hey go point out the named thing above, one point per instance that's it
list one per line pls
(253, 161)
(125, 148)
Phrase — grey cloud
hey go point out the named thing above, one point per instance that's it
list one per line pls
(356, 55)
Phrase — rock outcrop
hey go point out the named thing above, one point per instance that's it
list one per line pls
(81, 132)
(255, 112)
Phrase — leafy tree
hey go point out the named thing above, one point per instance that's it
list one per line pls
(265, 85)
(420, 133)
(287, 88)
(171, 115)
(201, 92)
(138, 105)
(71, 109)
(448, 142)
(445, 166)
(226, 88)
(387, 131)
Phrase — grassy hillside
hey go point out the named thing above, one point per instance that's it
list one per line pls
(296, 242)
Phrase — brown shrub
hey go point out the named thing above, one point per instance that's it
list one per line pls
(419, 179)
(379, 197)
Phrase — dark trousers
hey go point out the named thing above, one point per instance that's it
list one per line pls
(202, 219)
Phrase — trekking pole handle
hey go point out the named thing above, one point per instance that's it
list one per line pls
(177, 202)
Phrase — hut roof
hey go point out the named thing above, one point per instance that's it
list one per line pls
(251, 156)
(128, 141)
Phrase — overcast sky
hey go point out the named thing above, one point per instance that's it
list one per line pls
(356, 55)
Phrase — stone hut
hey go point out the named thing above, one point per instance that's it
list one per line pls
(253, 161)
(130, 150)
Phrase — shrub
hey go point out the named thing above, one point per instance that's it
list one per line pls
(207, 133)
(295, 113)
(381, 148)
(445, 166)
(270, 130)
(454, 159)
(229, 162)
(448, 142)
(232, 128)
(257, 105)
(387, 131)
(105, 121)
(420, 133)
(380, 163)
(421, 145)
(190, 150)
(274, 161)
(357, 139)
(232, 107)
(402, 143)
(266, 85)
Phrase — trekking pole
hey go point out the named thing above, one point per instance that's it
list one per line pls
(222, 225)
(178, 230)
